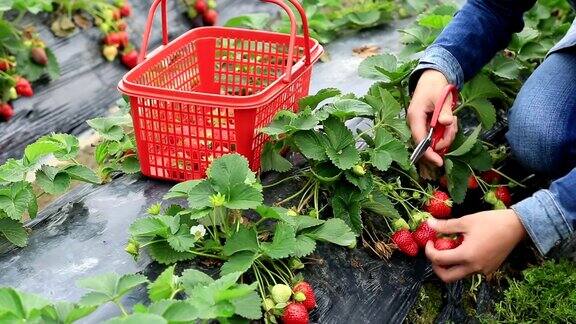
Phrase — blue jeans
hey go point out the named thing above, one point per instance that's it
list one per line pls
(542, 136)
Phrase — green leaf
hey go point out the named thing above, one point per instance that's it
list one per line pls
(59, 184)
(130, 165)
(313, 101)
(149, 226)
(68, 145)
(53, 68)
(303, 222)
(181, 190)
(110, 128)
(310, 144)
(21, 305)
(191, 278)
(257, 21)
(164, 286)
(16, 201)
(82, 173)
(458, 174)
(175, 311)
(505, 67)
(108, 287)
(13, 232)
(283, 244)
(272, 160)
(239, 262)
(381, 205)
(368, 67)
(66, 313)
(182, 241)
(346, 204)
(12, 171)
(435, 21)
(245, 239)
(335, 231)
(478, 158)
(138, 318)
(484, 110)
(163, 253)
(199, 198)
(228, 171)
(305, 245)
(468, 143)
(243, 196)
(341, 149)
(388, 149)
(248, 306)
(348, 108)
(39, 149)
(481, 87)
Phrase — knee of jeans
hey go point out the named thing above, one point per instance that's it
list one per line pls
(531, 142)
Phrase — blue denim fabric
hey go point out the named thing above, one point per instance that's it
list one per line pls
(543, 119)
(542, 135)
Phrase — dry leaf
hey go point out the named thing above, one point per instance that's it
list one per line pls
(366, 51)
(82, 21)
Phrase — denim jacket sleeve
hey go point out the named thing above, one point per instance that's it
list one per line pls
(478, 31)
(549, 216)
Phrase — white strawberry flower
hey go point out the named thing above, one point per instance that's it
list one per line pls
(198, 231)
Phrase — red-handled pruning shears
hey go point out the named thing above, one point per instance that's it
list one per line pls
(436, 132)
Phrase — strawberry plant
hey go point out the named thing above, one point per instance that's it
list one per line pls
(330, 19)
(116, 150)
(23, 181)
(216, 224)
(202, 12)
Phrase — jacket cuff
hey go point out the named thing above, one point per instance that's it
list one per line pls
(438, 58)
(543, 220)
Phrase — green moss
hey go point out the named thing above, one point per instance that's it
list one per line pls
(546, 294)
(427, 306)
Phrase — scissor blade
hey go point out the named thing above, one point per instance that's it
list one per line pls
(421, 148)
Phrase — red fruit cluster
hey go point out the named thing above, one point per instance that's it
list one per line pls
(405, 242)
(208, 12)
(439, 205)
(117, 40)
(23, 87)
(296, 312)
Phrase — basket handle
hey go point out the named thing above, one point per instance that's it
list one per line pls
(281, 3)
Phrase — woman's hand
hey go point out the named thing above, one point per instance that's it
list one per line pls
(488, 239)
(428, 90)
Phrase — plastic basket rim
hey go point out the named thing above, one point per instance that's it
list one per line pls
(130, 88)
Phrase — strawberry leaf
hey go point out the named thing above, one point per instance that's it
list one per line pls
(340, 144)
(305, 245)
(239, 262)
(162, 253)
(20, 305)
(164, 286)
(335, 231)
(66, 313)
(248, 306)
(346, 204)
(283, 244)
(467, 145)
(257, 21)
(313, 101)
(12, 171)
(348, 108)
(57, 185)
(243, 196)
(481, 87)
(458, 173)
(244, 239)
(272, 160)
(388, 149)
(82, 173)
(182, 240)
(108, 287)
(381, 205)
(13, 231)
(310, 144)
(484, 110)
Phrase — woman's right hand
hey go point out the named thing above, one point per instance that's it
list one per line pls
(428, 90)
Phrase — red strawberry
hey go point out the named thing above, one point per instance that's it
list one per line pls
(38, 55)
(112, 39)
(117, 14)
(130, 58)
(472, 182)
(439, 205)
(126, 10)
(503, 194)
(123, 38)
(23, 87)
(122, 26)
(210, 17)
(405, 242)
(491, 176)
(445, 243)
(200, 6)
(423, 234)
(306, 289)
(6, 112)
(5, 64)
(295, 313)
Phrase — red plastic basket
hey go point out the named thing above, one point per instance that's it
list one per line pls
(209, 91)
